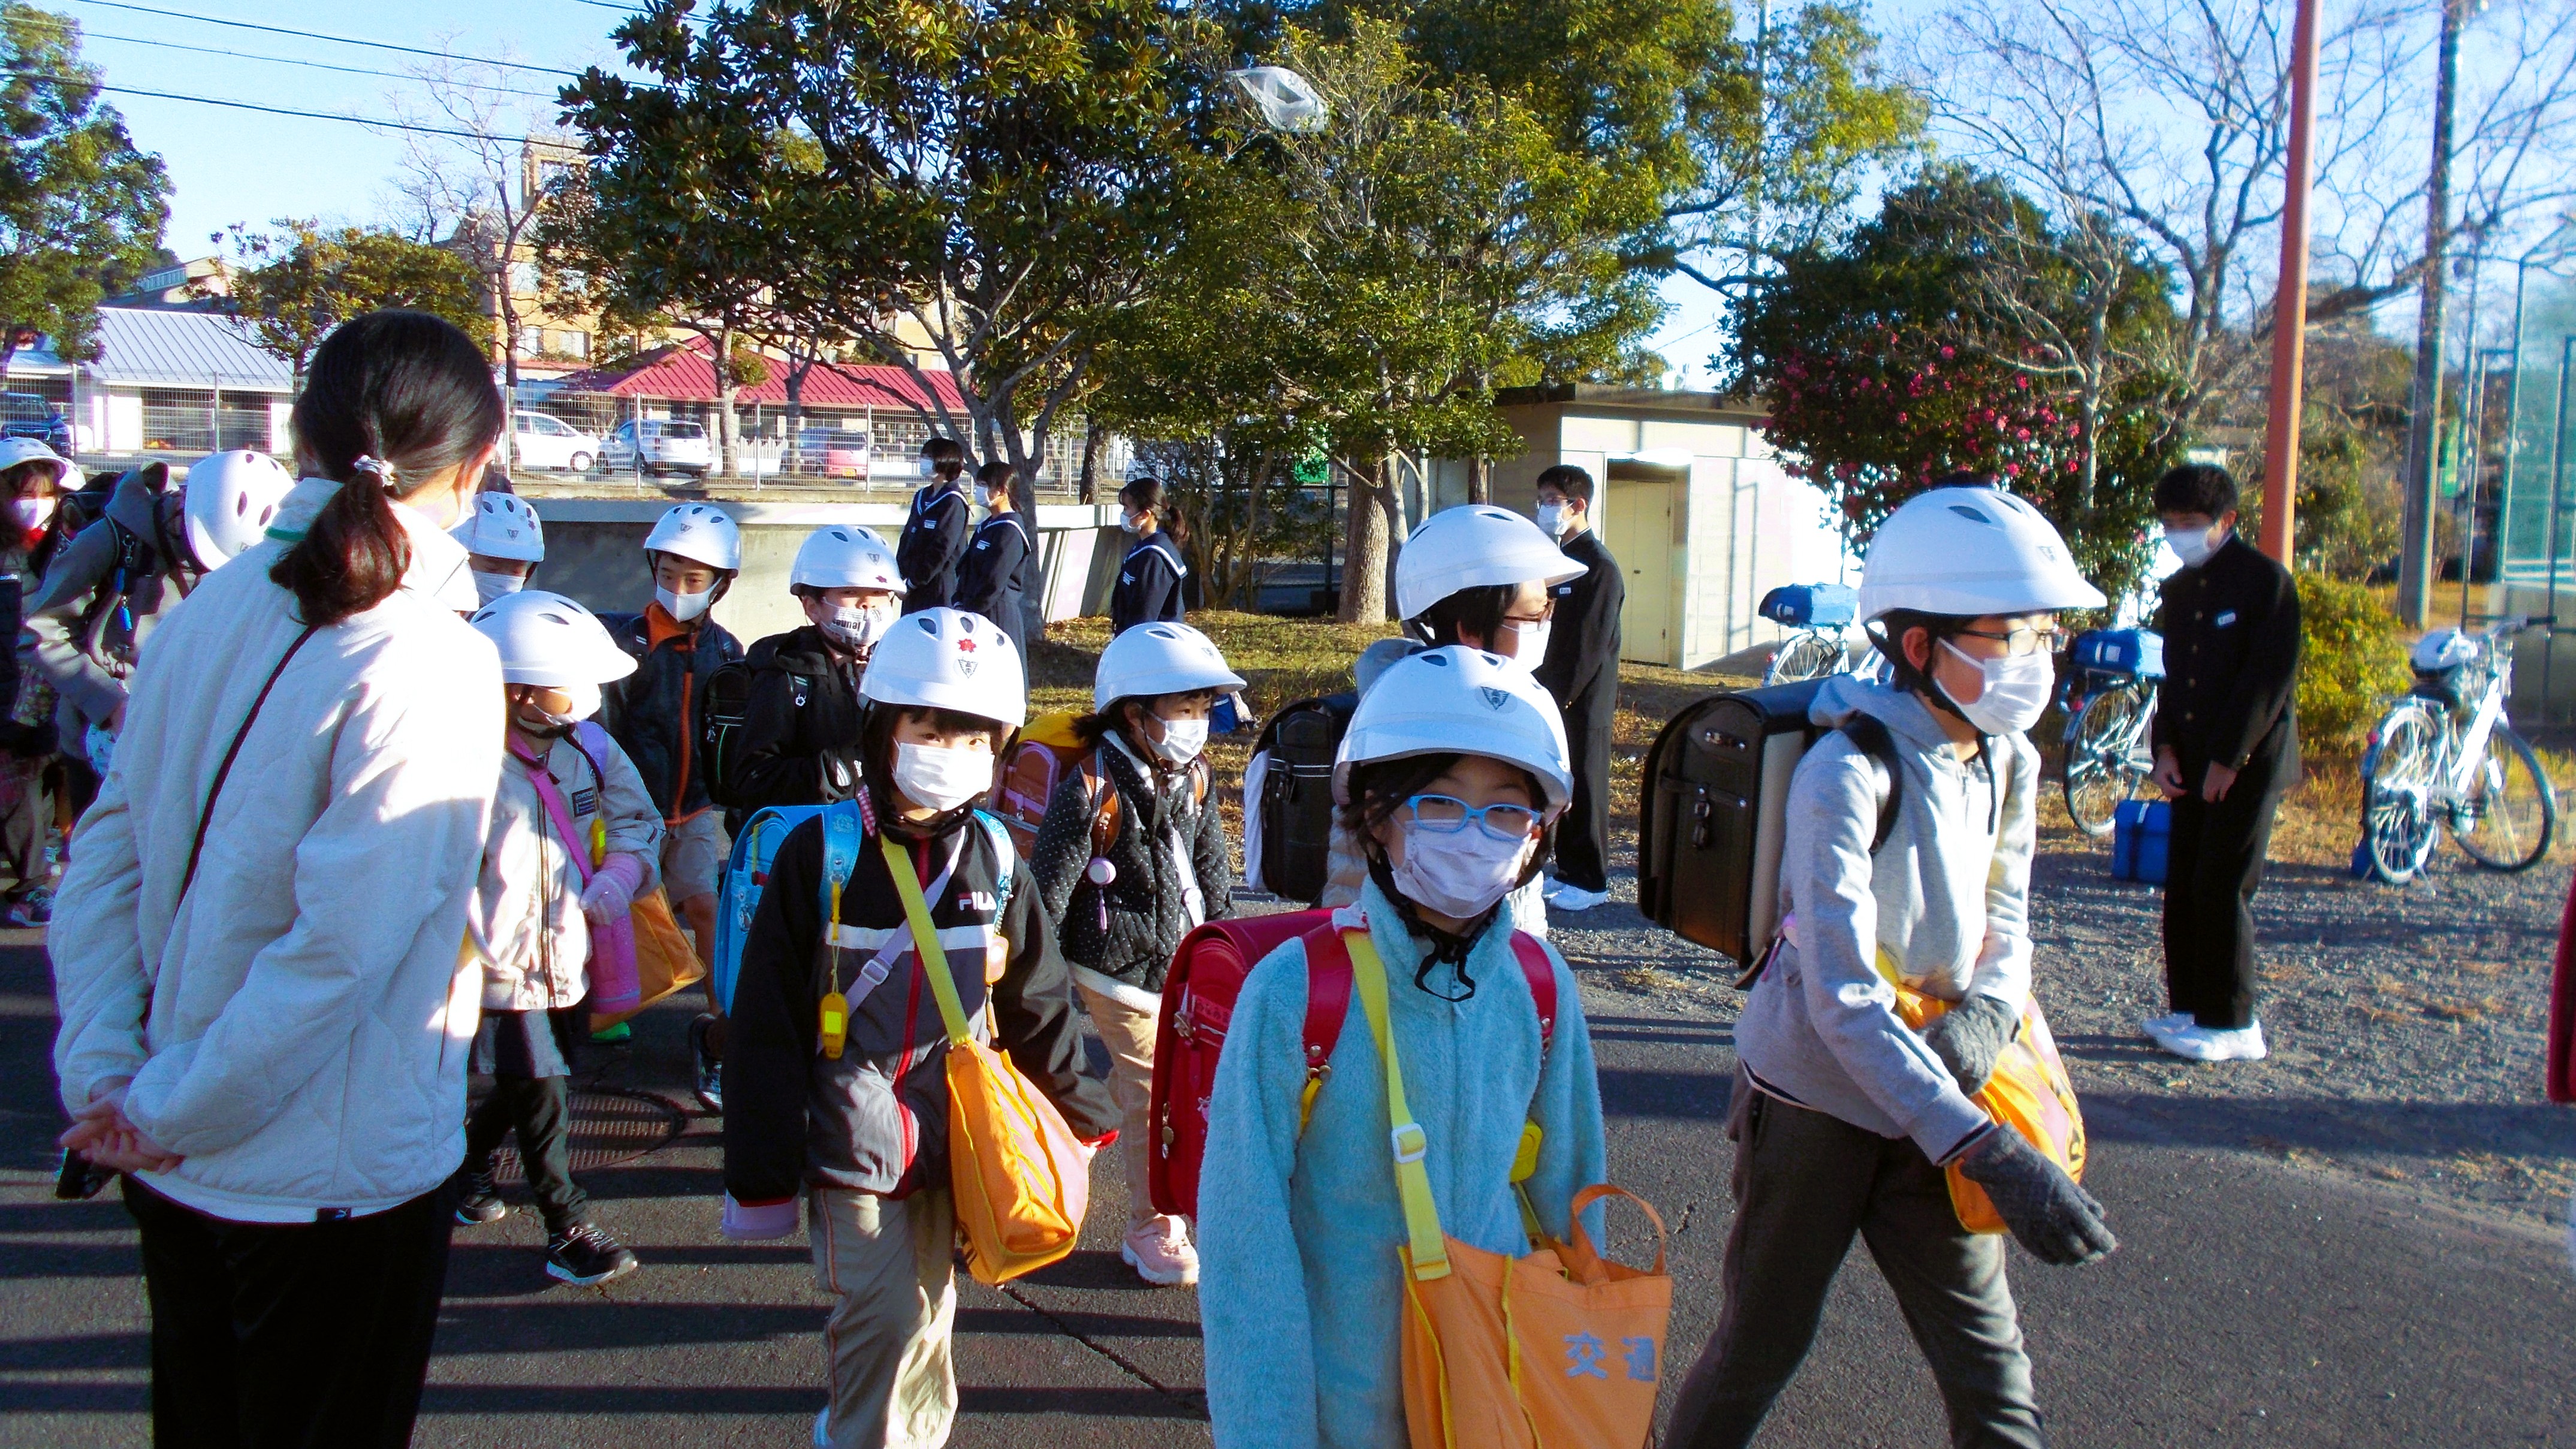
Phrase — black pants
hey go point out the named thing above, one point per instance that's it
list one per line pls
(271, 1335)
(2211, 875)
(534, 1107)
(1583, 834)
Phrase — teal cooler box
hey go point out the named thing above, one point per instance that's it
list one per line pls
(2141, 837)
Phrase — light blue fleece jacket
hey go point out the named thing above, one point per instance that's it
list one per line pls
(1947, 898)
(1300, 1288)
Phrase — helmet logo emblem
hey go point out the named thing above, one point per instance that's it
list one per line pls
(1497, 698)
(966, 667)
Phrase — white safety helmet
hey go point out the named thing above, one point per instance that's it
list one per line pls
(699, 531)
(1458, 700)
(502, 525)
(1152, 659)
(14, 451)
(2443, 649)
(1969, 552)
(1471, 546)
(231, 499)
(550, 640)
(845, 556)
(949, 659)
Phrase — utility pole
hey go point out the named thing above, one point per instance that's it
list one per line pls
(2290, 306)
(2416, 564)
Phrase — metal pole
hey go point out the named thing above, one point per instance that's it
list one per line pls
(2473, 432)
(2557, 490)
(2290, 306)
(215, 416)
(2416, 564)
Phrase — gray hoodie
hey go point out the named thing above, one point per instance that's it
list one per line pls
(80, 636)
(1945, 903)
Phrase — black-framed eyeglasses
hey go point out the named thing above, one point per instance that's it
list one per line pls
(2026, 641)
(1448, 815)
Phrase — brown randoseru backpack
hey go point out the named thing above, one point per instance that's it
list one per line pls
(1712, 814)
(1295, 804)
(1037, 760)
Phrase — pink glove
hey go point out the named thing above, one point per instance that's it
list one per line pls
(759, 1223)
(611, 892)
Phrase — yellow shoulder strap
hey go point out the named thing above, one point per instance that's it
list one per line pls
(1412, 1180)
(925, 942)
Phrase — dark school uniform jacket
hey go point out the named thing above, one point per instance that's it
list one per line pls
(653, 713)
(1149, 585)
(934, 537)
(992, 581)
(2231, 630)
(1582, 665)
(876, 1119)
(800, 724)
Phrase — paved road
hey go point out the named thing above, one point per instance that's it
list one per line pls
(2251, 1302)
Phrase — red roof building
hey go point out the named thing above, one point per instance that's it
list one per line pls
(686, 373)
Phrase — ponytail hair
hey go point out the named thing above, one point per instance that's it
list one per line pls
(393, 399)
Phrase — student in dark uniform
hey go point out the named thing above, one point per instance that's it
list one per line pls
(1582, 671)
(934, 532)
(2227, 746)
(1149, 582)
(993, 579)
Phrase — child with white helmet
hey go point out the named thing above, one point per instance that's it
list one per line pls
(1132, 856)
(695, 551)
(1452, 768)
(574, 839)
(1476, 575)
(800, 729)
(31, 477)
(835, 1078)
(504, 542)
(1844, 1119)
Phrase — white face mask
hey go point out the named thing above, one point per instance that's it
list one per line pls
(31, 513)
(1460, 874)
(488, 587)
(940, 778)
(683, 607)
(2017, 691)
(1182, 740)
(1551, 519)
(1131, 522)
(2191, 545)
(585, 703)
(859, 628)
(1532, 642)
(925, 465)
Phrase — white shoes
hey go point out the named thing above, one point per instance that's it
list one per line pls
(1161, 1253)
(2157, 1027)
(1574, 897)
(2212, 1044)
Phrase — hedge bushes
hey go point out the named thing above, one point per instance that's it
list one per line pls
(2352, 657)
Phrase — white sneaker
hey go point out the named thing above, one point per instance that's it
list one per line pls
(1576, 898)
(2211, 1044)
(1161, 1254)
(2167, 1024)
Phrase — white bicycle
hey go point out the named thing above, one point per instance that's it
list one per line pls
(2446, 756)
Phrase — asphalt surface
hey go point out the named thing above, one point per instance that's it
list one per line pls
(2250, 1302)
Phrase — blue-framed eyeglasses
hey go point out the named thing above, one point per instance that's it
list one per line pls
(1447, 815)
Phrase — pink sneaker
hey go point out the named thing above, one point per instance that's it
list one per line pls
(1161, 1254)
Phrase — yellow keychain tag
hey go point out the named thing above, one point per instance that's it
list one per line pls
(836, 1024)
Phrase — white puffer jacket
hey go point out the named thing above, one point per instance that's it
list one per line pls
(310, 1007)
(527, 922)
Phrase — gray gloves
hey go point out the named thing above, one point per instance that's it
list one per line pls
(2057, 1221)
(1970, 1035)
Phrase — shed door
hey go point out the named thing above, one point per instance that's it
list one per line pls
(1640, 534)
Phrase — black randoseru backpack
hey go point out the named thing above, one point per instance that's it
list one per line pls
(1712, 813)
(720, 720)
(1297, 794)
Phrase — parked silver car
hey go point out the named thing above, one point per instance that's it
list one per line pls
(657, 446)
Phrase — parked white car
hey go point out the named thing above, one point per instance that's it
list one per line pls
(542, 440)
(665, 446)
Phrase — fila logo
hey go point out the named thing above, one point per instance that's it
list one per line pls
(975, 900)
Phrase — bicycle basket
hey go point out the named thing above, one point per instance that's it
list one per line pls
(1811, 606)
(2120, 654)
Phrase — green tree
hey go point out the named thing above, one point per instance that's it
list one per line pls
(81, 210)
(1962, 329)
(288, 287)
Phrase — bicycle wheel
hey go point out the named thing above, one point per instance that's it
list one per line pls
(1808, 656)
(2100, 770)
(2509, 810)
(2397, 826)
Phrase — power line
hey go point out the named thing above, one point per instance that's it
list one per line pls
(308, 64)
(333, 39)
(73, 80)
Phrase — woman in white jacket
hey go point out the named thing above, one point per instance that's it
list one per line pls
(266, 1013)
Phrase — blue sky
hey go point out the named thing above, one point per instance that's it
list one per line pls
(232, 165)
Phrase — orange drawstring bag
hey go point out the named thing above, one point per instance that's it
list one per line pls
(1559, 1349)
(2029, 1093)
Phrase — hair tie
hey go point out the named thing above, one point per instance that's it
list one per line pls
(383, 470)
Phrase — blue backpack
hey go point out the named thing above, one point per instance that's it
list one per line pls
(746, 872)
